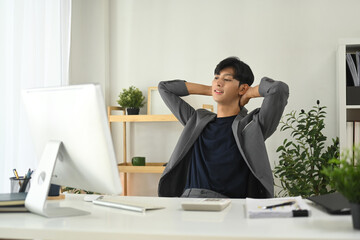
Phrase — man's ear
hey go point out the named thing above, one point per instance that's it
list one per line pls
(243, 88)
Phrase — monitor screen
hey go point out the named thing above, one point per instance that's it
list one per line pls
(72, 140)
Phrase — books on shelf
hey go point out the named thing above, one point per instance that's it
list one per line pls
(276, 207)
(356, 133)
(353, 134)
(353, 78)
(353, 69)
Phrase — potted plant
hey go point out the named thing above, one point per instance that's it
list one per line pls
(304, 155)
(132, 99)
(345, 178)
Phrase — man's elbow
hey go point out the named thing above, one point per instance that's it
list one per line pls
(161, 85)
(282, 87)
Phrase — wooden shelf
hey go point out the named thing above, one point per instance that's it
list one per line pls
(149, 168)
(142, 118)
(126, 167)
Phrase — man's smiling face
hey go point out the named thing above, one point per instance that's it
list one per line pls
(225, 88)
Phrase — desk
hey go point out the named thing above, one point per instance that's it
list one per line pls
(171, 223)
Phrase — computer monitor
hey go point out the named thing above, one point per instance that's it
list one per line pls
(73, 143)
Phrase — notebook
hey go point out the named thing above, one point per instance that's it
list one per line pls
(12, 199)
(276, 207)
(333, 203)
(12, 202)
(11, 209)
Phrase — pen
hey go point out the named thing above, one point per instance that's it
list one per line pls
(15, 173)
(28, 174)
(24, 185)
(279, 205)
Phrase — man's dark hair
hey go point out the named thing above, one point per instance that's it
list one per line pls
(242, 72)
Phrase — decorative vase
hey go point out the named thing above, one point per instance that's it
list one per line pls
(355, 213)
(133, 111)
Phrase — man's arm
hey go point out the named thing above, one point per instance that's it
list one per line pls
(195, 88)
(171, 93)
(252, 92)
(275, 95)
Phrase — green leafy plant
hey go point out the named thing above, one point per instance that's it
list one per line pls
(345, 178)
(131, 98)
(76, 191)
(304, 155)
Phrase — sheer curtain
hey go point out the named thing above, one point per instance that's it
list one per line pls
(34, 52)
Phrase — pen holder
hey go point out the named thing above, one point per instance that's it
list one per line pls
(19, 184)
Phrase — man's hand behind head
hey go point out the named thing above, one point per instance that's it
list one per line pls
(247, 93)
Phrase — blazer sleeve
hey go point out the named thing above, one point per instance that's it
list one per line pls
(171, 93)
(276, 94)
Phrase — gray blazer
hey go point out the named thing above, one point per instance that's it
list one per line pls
(250, 132)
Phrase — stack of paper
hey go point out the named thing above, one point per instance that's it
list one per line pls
(276, 207)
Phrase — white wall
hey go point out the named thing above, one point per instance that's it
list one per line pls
(89, 53)
(152, 40)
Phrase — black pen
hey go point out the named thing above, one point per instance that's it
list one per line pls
(279, 205)
(24, 185)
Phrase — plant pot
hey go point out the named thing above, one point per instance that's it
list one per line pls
(133, 111)
(355, 213)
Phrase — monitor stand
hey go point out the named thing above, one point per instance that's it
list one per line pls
(41, 179)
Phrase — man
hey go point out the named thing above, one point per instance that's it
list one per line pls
(223, 155)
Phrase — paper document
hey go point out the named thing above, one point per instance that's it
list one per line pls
(125, 204)
(276, 207)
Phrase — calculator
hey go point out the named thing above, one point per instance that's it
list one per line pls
(205, 204)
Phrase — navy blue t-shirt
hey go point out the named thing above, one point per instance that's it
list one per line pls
(216, 162)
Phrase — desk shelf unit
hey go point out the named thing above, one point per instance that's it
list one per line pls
(126, 167)
(347, 113)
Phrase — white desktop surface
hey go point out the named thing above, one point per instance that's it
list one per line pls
(171, 223)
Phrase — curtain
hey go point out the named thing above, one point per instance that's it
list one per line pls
(34, 52)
